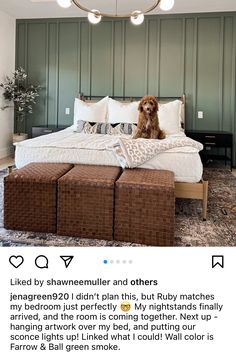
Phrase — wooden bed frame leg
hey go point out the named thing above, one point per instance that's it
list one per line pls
(10, 169)
(205, 199)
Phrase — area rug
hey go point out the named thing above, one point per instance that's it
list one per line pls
(190, 230)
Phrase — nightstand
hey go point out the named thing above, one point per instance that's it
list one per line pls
(211, 140)
(42, 130)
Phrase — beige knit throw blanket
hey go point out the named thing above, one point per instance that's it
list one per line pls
(134, 152)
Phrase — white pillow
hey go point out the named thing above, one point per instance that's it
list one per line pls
(119, 112)
(90, 112)
(169, 115)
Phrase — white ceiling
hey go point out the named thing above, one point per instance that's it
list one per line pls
(49, 8)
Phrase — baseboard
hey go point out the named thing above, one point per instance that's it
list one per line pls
(6, 152)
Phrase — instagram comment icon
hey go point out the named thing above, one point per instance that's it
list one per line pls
(125, 306)
(41, 262)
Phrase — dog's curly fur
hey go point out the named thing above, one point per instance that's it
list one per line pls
(148, 123)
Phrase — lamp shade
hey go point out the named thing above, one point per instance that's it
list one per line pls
(94, 16)
(137, 17)
(64, 3)
(167, 5)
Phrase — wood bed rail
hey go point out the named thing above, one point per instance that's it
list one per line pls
(84, 97)
(194, 191)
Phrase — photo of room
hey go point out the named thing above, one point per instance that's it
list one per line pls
(118, 123)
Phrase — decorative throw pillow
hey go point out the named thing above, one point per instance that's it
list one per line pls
(122, 128)
(170, 117)
(90, 112)
(105, 128)
(126, 112)
(91, 127)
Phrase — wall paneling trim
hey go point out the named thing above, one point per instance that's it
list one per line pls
(166, 56)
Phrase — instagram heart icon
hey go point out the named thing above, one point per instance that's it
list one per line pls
(16, 261)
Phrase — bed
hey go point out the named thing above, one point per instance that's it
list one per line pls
(83, 147)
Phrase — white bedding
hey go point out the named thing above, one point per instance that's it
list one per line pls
(68, 146)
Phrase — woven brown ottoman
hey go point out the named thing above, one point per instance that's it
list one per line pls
(86, 202)
(145, 207)
(30, 197)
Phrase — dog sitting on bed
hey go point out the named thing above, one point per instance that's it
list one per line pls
(148, 123)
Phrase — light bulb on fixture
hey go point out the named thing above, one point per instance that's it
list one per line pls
(64, 3)
(137, 17)
(94, 16)
(167, 5)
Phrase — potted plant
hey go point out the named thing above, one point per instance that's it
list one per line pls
(22, 96)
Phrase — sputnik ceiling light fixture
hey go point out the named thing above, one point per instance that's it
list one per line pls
(136, 16)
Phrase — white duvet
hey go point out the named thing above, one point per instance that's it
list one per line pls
(68, 146)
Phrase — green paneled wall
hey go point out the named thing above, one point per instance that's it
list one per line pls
(209, 70)
(171, 72)
(67, 69)
(166, 56)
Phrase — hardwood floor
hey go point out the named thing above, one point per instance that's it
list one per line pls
(5, 162)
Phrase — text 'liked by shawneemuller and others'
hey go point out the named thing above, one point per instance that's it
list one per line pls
(96, 302)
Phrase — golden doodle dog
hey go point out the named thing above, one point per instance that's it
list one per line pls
(148, 123)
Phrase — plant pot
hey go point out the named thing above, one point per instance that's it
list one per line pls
(19, 137)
